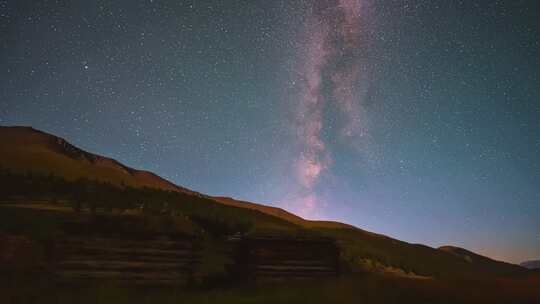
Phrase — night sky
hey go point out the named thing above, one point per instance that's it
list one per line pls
(415, 119)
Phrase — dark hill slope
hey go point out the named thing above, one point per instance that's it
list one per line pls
(535, 264)
(278, 212)
(25, 149)
(481, 262)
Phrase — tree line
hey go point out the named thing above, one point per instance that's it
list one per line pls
(86, 195)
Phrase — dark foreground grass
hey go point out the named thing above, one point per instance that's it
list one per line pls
(357, 289)
(44, 226)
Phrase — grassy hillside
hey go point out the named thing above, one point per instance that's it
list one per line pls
(368, 251)
(278, 212)
(26, 149)
(481, 262)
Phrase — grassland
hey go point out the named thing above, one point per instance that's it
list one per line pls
(376, 268)
(29, 150)
(367, 288)
(41, 223)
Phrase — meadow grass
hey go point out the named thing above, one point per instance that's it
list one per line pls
(367, 288)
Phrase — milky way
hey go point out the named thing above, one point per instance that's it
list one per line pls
(330, 77)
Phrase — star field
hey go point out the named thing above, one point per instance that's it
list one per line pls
(416, 119)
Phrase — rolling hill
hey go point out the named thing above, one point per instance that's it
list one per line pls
(278, 212)
(27, 149)
(535, 264)
(480, 261)
(24, 149)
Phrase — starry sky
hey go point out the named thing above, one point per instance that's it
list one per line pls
(415, 119)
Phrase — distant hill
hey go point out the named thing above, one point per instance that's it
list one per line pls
(480, 261)
(278, 212)
(534, 264)
(24, 149)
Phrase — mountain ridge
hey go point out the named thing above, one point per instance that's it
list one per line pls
(531, 264)
(25, 148)
(28, 137)
(469, 256)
